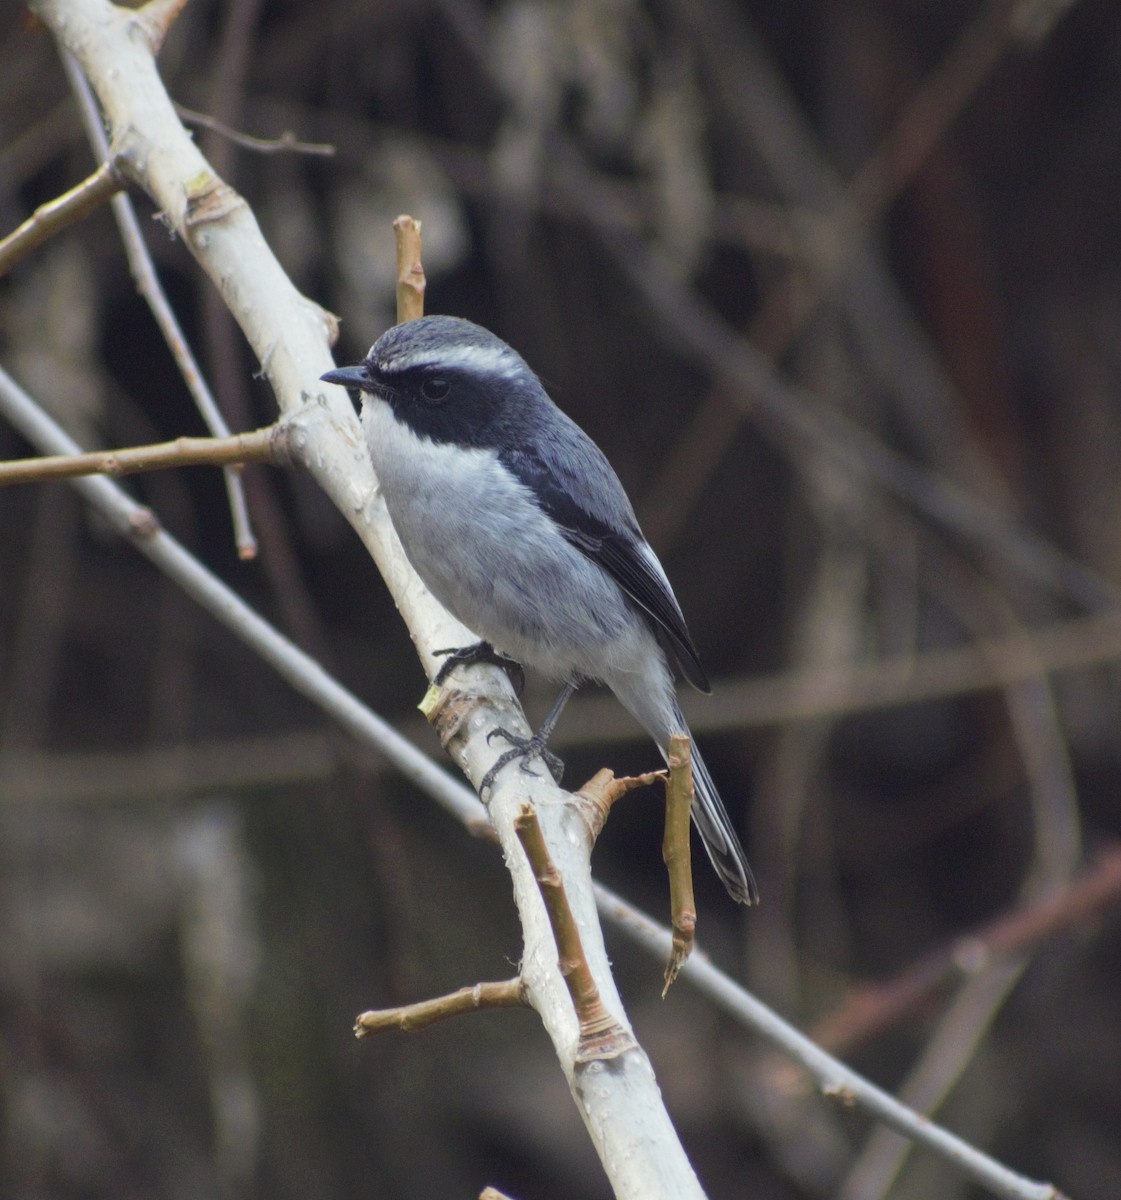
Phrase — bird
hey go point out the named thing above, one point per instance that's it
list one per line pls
(518, 525)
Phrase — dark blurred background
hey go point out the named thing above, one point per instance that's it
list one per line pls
(910, 211)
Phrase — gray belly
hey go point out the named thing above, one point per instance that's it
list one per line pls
(491, 557)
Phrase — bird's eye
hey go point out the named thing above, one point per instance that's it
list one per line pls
(436, 388)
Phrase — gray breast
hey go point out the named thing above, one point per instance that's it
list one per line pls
(485, 550)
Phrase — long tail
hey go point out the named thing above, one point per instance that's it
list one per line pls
(649, 697)
(715, 827)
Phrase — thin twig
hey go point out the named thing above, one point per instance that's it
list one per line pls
(287, 143)
(676, 855)
(407, 1018)
(410, 270)
(596, 797)
(601, 1036)
(60, 213)
(261, 445)
(148, 284)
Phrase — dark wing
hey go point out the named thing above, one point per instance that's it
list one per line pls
(633, 565)
(576, 486)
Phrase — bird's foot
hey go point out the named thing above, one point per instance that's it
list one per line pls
(479, 652)
(523, 749)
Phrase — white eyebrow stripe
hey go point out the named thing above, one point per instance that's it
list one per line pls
(490, 360)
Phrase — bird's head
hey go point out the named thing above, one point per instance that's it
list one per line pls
(447, 378)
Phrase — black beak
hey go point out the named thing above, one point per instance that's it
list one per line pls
(349, 377)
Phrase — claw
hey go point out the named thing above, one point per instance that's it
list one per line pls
(523, 749)
(480, 652)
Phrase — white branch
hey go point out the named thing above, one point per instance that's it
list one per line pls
(620, 1103)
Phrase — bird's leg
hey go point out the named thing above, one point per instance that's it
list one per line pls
(531, 747)
(480, 652)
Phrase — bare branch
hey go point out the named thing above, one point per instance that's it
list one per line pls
(148, 284)
(596, 797)
(675, 854)
(410, 272)
(262, 445)
(601, 1036)
(509, 993)
(287, 143)
(60, 213)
